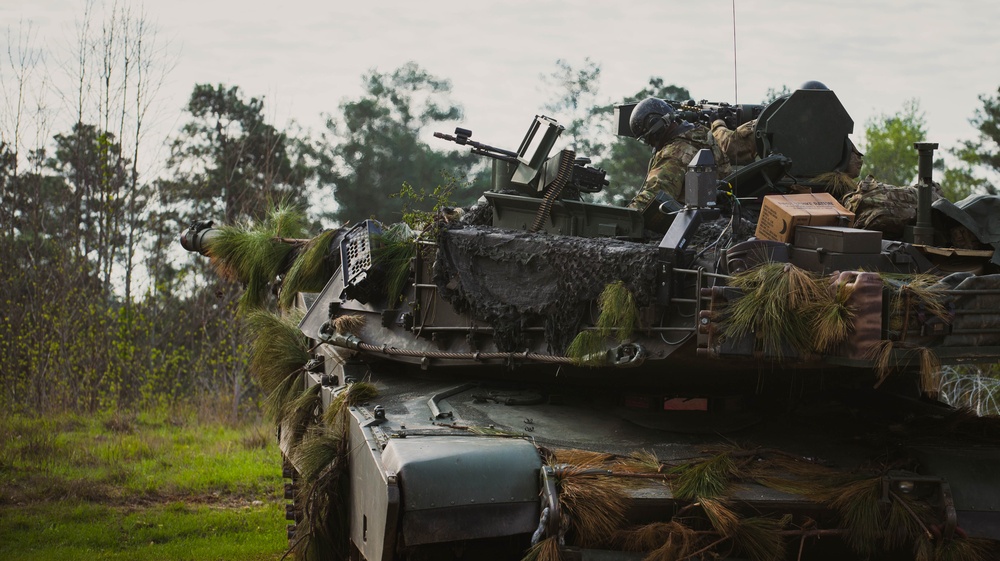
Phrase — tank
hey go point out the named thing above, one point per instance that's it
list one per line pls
(751, 375)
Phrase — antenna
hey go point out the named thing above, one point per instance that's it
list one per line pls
(736, 82)
(736, 220)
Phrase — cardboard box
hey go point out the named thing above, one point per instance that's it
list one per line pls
(780, 214)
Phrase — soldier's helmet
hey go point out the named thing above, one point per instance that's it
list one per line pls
(646, 117)
(813, 85)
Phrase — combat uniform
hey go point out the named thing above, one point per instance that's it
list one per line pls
(738, 144)
(669, 165)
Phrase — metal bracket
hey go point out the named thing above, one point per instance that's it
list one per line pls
(897, 482)
(435, 400)
(627, 355)
(550, 500)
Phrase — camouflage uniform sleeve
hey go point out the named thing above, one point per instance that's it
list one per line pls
(703, 138)
(665, 174)
(739, 144)
(722, 164)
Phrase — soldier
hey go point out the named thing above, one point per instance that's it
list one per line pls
(674, 141)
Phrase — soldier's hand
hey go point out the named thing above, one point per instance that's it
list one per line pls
(728, 114)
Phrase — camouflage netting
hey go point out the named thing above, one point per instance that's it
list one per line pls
(715, 234)
(516, 279)
(479, 214)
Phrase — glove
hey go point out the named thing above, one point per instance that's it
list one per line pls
(728, 114)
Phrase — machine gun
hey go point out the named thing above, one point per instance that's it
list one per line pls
(530, 169)
(695, 112)
(587, 179)
(707, 111)
(463, 137)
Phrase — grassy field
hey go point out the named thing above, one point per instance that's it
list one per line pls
(167, 486)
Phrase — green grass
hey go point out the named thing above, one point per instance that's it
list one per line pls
(152, 486)
(86, 531)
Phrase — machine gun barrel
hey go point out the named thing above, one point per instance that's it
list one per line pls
(462, 137)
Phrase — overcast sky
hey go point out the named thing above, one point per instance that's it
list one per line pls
(306, 56)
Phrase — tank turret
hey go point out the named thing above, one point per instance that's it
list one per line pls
(541, 377)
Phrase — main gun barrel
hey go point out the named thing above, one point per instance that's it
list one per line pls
(198, 237)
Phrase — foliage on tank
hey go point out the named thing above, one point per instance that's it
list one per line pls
(254, 253)
(618, 317)
(873, 519)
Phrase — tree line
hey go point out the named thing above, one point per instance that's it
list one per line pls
(99, 310)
